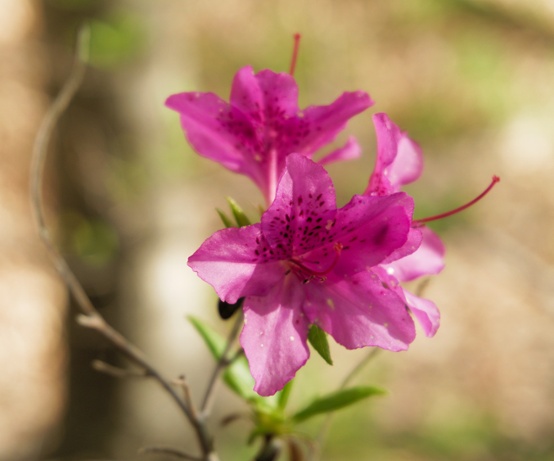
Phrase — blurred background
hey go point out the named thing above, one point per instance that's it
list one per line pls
(128, 201)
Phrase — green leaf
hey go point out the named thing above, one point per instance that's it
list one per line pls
(283, 395)
(236, 376)
(336, 401)
(240, 217)
(225, 219)
(318, 339)
(214, 341)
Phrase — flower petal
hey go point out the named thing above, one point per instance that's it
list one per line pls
(399, 159)
(266, 95)
(202, 116)
(274, 336)
(425, 311)
(237, 263)
(304, 202)
(426, 260)
(360, 311)
(413, 242)
(351, 150)
(370, 228)
(324, 123)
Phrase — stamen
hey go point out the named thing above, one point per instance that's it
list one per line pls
(338, 248)
(495, 179)
(294, 53)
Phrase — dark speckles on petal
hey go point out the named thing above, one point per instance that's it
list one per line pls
(380, 236)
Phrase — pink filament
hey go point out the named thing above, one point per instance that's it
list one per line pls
(294, 53)
(495, 179)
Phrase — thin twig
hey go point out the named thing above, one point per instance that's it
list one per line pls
(221, 364)
(183, 384)
(91, 318)
(169, 451)
(117, 372)
(360, 366)
(349, 377)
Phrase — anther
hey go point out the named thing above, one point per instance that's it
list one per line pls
(422, 221)
(294, 53)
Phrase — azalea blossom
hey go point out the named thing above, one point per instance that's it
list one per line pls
(399, 162)
(262, 125)
(308, 262)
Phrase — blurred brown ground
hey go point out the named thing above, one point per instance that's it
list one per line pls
(470, 80)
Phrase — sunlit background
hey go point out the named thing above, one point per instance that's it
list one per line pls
(128, 200)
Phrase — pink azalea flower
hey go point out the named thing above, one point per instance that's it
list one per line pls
(262, 125)
(399, 162)
(308, 262)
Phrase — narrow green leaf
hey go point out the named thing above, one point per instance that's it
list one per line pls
(214, 341)
(225, 219)
(283, 395)
(336, 401)
(318, 339)
(236, 376)
(240, 217)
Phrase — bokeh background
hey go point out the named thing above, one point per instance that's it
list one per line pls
(470, 80)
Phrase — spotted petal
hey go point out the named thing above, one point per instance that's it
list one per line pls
(237, 263)
(208, 121)
(265, 95)
(304, 203)
(262, 125)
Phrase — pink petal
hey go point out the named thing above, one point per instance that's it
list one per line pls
(399, 159)
(305, 194)
(203, 118)
(425, 311)
(370, 228)
(426, 260)
(351, 150)
(274, 337)
(236, 263)
(325, 122)
(264, 95)
(413, 242)
(359, 311)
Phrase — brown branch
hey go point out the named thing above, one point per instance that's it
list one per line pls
(90, 317)
(117, 372)
(223, 362)
(169, 451)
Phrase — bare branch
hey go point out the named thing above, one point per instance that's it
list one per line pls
(90, 317)
(221, 364)
(117, 372)
(183, 384)
(169, 451)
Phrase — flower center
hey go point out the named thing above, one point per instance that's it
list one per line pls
(301, 269)
(420, 222)
(294, 53)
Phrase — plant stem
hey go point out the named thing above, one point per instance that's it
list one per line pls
(221, 364)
